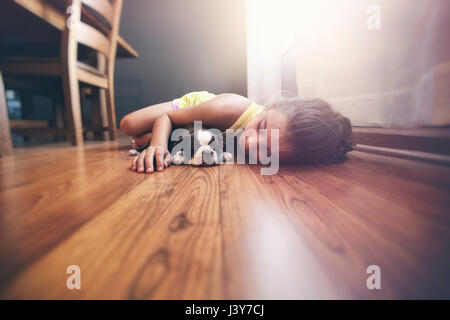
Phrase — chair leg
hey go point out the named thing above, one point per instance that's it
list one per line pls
(85, 92)
(106, 100)
(99, 115)
(58, 113)
(26, 100)
(73, 106)
(111, 113)
(6, 147)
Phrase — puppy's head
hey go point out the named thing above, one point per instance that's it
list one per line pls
(207, 149)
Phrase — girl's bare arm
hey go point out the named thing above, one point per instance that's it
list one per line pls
(223, 108)
(142, 120)
(157, 151)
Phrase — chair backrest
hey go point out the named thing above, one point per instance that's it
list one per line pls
(99, 34)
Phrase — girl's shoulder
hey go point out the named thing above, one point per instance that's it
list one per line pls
(234, 99)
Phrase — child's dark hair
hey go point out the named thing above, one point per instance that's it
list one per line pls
(318, 133)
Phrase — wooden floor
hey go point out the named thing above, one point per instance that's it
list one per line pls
(223, 232)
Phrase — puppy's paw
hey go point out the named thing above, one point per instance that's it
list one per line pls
(227, 156)
(178, 158)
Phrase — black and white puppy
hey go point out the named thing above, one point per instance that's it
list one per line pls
(206, 148)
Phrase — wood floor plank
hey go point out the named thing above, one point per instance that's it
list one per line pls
(265, 255)
(37, 216)
(161, 240)
(220, 232)
(420, 187)
(352, 224)
(43, 162)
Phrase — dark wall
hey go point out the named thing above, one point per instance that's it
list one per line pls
(183, 45)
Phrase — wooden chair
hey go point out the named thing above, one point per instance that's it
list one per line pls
(100, 35)
(5, 134)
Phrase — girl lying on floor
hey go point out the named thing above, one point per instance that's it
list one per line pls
(309, 131)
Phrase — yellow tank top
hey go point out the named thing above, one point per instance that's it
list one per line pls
(194, 98)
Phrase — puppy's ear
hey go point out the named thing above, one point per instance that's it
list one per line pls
(172, 143)
(217, 142)
(190, 128)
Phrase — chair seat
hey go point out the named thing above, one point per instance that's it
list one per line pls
(51, 67)
(24, 123)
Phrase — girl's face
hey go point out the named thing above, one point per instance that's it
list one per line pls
(270, 119)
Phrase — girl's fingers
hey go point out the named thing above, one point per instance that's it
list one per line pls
(144, 162)
(149, 159)
(140, 161)
(167, 159)
(134, 163)
(159, 155)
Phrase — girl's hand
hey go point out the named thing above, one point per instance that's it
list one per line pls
(144, 162)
